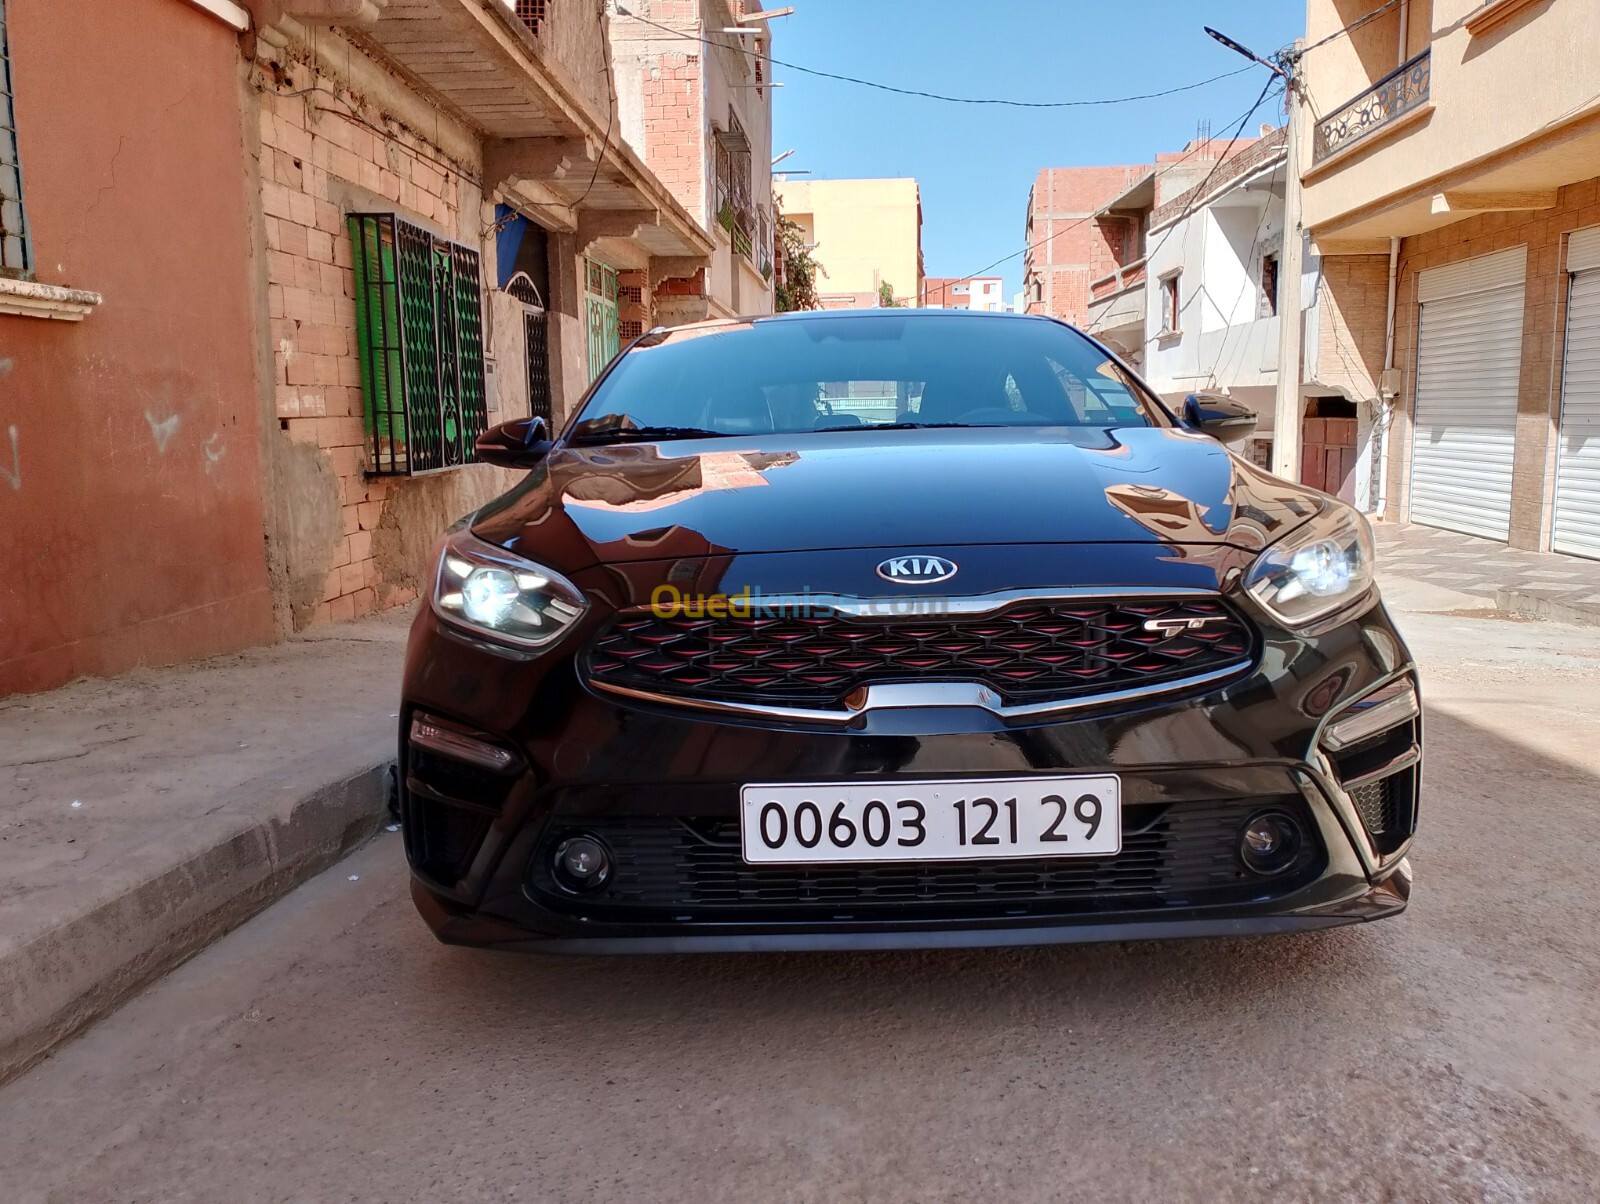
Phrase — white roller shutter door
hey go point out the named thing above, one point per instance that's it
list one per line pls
(1577, 507)
(1469, 358)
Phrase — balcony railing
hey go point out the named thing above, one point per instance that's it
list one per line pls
(1123, 278)
(1402, 90)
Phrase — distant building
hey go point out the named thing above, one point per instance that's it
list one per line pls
(1193, 294)
(963, 292)
(1193, 300)
(864, 234)
(697, 109)
(1066, 247)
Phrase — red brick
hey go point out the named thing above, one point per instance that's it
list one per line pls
(353, 576)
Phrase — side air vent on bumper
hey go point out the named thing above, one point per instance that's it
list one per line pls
(457, 781)
(1374, 747)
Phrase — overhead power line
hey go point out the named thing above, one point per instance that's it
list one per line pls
(898, 91)
(1189, 154)
(1339, 33)
(1200, 192)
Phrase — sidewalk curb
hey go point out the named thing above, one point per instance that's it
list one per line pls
(64, 978)
(1521, 603)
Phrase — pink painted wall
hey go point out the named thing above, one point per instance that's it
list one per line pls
(130, 502)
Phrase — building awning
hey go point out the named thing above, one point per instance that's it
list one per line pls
(546, 147)
(1138, 196)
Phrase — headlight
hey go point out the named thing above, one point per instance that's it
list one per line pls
(1323, 567)
(514, 601)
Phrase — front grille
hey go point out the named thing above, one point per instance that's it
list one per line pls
(1173, 856)
(1026, 652)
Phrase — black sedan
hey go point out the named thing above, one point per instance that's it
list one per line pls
(895, 629)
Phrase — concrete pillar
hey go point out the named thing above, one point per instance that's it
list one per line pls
(568, 328)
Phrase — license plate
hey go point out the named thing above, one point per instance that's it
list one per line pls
(968, 820)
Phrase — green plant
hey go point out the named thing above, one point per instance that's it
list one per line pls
(797, 281)
(886, 297)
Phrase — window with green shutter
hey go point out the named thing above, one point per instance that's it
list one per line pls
(419, 325)
(16, 258)
(600, 305)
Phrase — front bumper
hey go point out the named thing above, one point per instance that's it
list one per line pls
(480, 843)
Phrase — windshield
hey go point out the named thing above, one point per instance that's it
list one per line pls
(861, 372)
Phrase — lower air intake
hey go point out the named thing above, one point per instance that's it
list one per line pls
(1178, 855)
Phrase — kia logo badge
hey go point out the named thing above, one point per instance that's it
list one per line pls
(917, 570)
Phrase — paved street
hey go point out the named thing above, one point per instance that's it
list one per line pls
(330, 1050)
(1541, 583)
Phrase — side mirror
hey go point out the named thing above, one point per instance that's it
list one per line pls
(520, 443)
(1218, 416)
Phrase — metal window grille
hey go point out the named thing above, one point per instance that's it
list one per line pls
(600, 305)
(531, 13)
(419, 326)
(724, 178)
(535, 327)
(16, 256)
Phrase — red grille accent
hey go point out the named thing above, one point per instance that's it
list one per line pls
(1029, 652)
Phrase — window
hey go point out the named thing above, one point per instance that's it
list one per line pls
(530, 12)
(419, 328)
(600, 314)
(735, 207)
(1171, 307)
(15, 255)
(1269, 285)
(856, 372)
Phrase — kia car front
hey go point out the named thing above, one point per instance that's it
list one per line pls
(900, 628)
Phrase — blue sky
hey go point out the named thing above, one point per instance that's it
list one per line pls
(976, 163)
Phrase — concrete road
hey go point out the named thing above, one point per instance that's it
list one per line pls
(330, 1050)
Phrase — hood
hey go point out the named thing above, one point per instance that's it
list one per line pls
(933, 488)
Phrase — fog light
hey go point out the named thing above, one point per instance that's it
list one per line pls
(1269, 842)
(582, 863)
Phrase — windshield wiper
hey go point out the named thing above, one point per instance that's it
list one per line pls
(613, 434)
(900, 426)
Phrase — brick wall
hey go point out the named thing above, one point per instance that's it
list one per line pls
(674, 128)
(1543, 333)
(1065, 243)
(321, 154)
(1352, 300)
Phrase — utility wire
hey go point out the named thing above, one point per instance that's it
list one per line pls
(1090, 217)
(1339, 33)
(1249, 259)
(1200, 191)
(959, 100)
